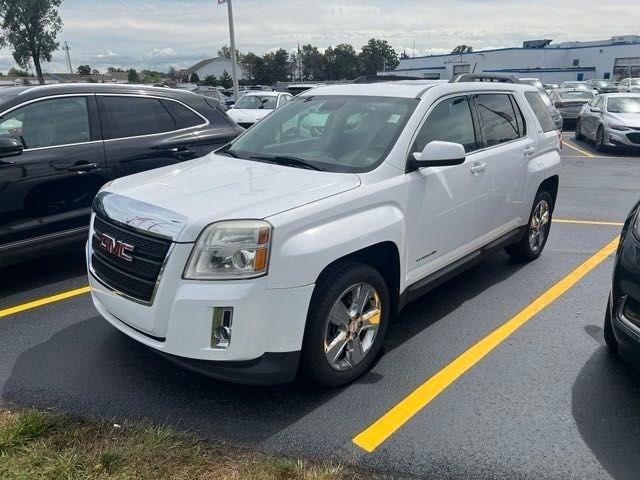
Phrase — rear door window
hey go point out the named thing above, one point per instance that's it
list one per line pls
(541, 111)
(449, 121)
(498, 119)
(135, 116)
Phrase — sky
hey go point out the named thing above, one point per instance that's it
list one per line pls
(162, 33)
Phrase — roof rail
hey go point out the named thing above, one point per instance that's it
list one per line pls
(484, 77)
(383, 78)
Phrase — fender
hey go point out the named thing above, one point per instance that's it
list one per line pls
(299, 256)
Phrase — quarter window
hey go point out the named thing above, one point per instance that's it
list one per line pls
(58, 121)
(183, 116)
(499, 120)
(449, 121)
(134, 116)
(541, 111)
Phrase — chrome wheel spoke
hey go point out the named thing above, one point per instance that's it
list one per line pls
(362, 296)
(334, 350)
(355, 352)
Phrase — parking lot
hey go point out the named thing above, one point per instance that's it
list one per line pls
(499, 373)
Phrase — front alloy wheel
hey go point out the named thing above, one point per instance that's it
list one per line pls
(352, 326)
(600, 140)
(346, 324)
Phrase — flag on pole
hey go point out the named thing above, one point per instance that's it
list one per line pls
(222, 2)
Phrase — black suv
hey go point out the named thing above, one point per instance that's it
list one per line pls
(60, 143)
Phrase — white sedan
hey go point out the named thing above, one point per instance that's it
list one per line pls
(255, 106)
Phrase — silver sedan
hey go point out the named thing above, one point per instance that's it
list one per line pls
(569, 101)
(611, 120)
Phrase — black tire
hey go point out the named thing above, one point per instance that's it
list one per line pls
(579, 135)
(524, 251)
(609, 337)
(328, 291)
(600, 147)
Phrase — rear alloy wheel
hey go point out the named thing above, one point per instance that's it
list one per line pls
(600, 147)
(579, 134)
(346, 324)
(535, 238)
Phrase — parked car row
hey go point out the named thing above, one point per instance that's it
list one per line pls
(59, 144)
(610, 120)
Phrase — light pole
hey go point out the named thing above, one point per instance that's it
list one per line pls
(234, 74)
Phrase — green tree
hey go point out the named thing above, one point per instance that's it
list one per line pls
(225, 52)
(132, 76)
(95, 71)
(225, 80)
(276, 67)
(210, 81)
(114, 69)
(252, 66)
(312, 63)
(83, 70)
(377, 55)
(341, 62)
(462, 49)
(195, 78)
(16, 72)
(29, 28)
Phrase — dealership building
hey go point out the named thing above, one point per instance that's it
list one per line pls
(616, 58)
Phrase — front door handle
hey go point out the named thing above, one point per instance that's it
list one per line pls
(83, 167)
(182, 152)
(478, 167)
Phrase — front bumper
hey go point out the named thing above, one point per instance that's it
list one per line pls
(625, 298)
(266, 332)
(619, 138)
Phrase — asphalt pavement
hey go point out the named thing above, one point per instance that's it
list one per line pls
(544, 401)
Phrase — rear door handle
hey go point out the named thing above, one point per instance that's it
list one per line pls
(478, 167)
(530, 150)
(83, 167)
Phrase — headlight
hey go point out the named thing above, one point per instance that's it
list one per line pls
(613, 126)
(229, 250)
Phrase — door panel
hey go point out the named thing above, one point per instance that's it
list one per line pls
(49, 188)
(447, 205)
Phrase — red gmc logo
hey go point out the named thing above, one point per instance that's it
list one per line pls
(116, 247)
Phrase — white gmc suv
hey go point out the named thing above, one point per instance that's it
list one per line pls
(292, 247)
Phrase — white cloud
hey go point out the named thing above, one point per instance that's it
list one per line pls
(137, 32)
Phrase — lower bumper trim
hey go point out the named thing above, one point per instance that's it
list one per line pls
(269, 369)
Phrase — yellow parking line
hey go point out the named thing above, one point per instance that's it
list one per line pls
(588, 222)
(577, 149)
(385, 426)
(43, 301)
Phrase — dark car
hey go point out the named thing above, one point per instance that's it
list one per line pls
(622, 320)
(60, 143)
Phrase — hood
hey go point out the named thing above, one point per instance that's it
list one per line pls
(187, 197)
(627, 119)
(248, 116)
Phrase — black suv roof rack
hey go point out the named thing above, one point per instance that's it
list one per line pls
(484, 77)
(383, 78)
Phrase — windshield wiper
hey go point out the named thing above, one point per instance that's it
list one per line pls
(285, 160)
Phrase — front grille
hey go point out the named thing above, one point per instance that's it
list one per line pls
(136, 278)
(634, 137)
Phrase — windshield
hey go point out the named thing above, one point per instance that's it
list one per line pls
(253, 102)
(601, 83)
(623, 105)
(334, 133)
(576, 85)
(576, 95)
(533, 81)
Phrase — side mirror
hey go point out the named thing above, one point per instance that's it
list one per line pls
(10, 147)
(595, 110)
(439, 154)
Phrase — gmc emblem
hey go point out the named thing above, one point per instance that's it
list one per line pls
(116, 247)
